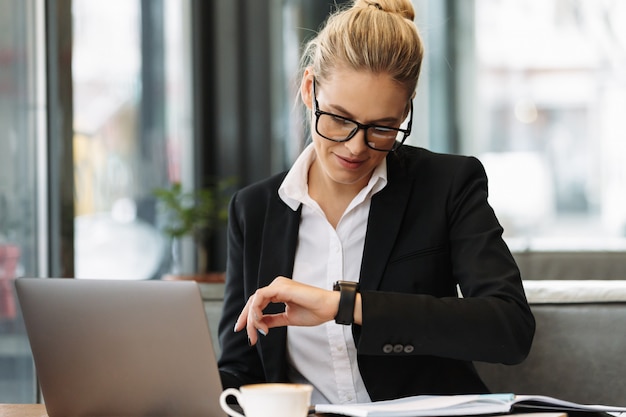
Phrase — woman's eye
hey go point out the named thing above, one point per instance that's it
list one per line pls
(383, 132)
(340, 120)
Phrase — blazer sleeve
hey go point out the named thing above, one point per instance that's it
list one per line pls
(490, 322)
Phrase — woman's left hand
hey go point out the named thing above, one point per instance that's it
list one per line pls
(305, 305)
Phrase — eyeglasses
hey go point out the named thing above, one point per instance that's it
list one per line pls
(341, 129)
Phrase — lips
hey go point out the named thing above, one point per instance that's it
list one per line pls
(349, 163)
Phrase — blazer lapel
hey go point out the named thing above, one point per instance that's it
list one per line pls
(385, 219)
(279, 241)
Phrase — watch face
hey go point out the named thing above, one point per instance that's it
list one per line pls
(338, 284)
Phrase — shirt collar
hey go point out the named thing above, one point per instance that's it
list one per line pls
(294, 188)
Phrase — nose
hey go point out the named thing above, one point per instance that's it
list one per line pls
(356, 145)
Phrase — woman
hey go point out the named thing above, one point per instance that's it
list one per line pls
(411, 227)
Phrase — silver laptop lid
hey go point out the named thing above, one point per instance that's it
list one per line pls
(121, 348)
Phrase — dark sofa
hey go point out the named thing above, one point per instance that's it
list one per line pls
(579, 350)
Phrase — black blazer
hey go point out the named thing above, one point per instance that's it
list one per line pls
(429, 229)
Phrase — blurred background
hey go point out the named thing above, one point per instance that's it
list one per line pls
(103, 102)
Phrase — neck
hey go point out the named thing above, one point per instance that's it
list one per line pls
(332, 197)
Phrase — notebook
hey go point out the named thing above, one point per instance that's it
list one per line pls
(120, 348)
(471, 405)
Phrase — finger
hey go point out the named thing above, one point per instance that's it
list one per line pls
(250, 317)
(241, 320)
(243, 317)
(257, 319)
(254, 328)
(275, 320)
(250, 322)
(252, 334)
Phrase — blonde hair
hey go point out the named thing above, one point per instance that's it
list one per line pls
(377, 36)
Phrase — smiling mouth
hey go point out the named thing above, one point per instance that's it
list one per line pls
(349, 163)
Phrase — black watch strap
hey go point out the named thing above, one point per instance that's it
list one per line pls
(348, 290)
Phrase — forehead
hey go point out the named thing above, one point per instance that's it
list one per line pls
(363, 94)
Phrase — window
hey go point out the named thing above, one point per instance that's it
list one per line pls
(132, 101)
(132, 129)
(21, 142)
(548, 120)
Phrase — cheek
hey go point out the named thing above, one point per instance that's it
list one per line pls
(317, 144)
(377, 157)
(321, 145)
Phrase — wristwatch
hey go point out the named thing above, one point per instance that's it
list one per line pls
(348, 290)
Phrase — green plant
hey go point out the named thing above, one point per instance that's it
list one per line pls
(197, 213)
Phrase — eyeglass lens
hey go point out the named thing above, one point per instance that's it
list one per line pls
(339, 129)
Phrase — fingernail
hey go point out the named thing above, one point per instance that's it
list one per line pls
(235, 328)
(249, 342)
(262, 332)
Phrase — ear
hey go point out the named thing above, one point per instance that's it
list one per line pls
(306, 88)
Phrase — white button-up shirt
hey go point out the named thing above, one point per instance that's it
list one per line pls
(325, 355)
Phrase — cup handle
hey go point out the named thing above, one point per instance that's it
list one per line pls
(225, 406)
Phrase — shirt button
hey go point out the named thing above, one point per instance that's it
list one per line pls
(398, 348)
(409, 349)
(387, 348)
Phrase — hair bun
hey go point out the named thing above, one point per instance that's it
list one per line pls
(402, 7)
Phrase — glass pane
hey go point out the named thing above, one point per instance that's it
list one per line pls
(19, 107)
(550, 131)
(132, 129)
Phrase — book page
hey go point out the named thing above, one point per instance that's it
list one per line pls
(466, 405)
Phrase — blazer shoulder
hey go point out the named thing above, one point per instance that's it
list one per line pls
(419, 161)
(259, 193)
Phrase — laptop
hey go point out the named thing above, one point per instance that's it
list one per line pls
(120, 348)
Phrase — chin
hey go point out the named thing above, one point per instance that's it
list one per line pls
(350, 179)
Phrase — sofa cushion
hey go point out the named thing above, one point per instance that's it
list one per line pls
(575, 291)
(547, 264)
(579, 350)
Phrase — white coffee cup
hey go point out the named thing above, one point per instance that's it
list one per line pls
(269, 400)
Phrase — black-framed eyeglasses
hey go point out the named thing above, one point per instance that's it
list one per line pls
(341, 129)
